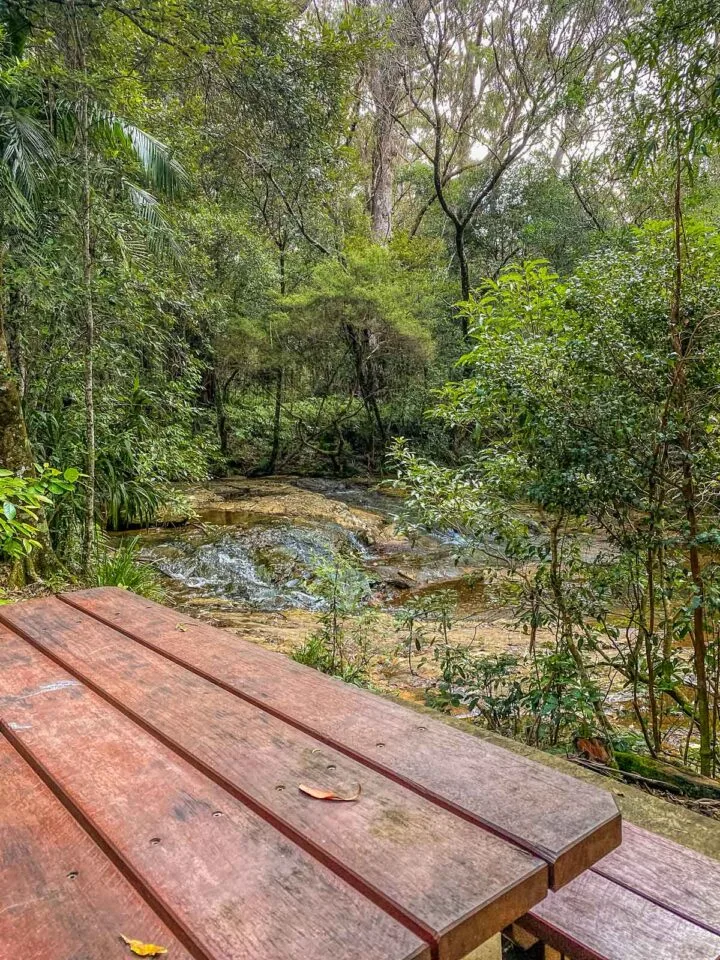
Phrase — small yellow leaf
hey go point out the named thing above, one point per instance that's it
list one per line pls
(327, 794)
(181, 626)
(143, 949)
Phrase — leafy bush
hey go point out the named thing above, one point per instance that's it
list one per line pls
(340, 645)
(23, 500)
(425, 618)
(537, 698)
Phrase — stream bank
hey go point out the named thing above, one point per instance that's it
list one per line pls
(245, 558)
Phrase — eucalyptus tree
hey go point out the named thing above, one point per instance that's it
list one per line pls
(486, 85)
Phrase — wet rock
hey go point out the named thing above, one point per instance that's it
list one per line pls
(220, 500)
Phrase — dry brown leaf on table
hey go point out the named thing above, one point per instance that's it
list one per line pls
(327, 794)
(143, 949)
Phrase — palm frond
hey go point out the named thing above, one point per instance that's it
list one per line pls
(163, 170)
(14, 200)
(160, 167)
(162, 238)
(27, 148)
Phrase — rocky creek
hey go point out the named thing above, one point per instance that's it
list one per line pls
(245, 561)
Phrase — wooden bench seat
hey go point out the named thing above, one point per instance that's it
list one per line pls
(651, 899)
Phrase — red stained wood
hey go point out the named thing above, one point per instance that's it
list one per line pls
(60, 896)
(675, 877)
(568, 823)
(226, 881)
(457, 881)
(593, 918)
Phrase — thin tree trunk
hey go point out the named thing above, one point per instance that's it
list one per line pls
(649, 638)
(281, 242)
(221, 416)
(566, 627)
(463, 267)
(699, 638)
(89, 539)
(680, 343)
(366, 392)
(277, 419)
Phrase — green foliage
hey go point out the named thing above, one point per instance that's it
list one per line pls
(424, 619)
(341, 644)
(578, 495)
(389, 290)
(673, 67)
(23, 502)
(537, 698)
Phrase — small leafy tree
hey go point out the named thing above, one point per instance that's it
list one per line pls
(380, 301)
(341, 644)
(424, 619)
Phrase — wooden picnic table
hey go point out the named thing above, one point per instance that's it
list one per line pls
(149, 786)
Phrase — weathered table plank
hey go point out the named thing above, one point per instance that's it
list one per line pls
(567, 823)
(460, 883)
(593, 918)
(227, 881)
(672, 876)
(60, 896)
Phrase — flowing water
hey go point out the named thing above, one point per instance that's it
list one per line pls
(256, 544)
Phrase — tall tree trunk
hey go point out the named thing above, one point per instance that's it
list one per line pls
(385, 74)
(385, 90)
(89, 539)
(15, 452)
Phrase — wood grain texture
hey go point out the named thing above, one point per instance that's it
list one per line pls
(227, 881)
(593, 918)
(461, 883)
(60, 896)
(568, 823)
(670, 875)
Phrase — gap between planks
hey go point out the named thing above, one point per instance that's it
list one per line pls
(663, 904)
(161, 910)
